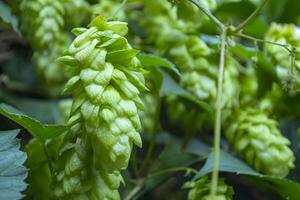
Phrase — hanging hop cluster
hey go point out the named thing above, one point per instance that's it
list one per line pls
(200, 190)
(200, 75)
(258, 140)
(44, 28)
(191, 55)
(104, 118)
(287, 34)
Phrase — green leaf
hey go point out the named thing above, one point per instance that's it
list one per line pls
(287, 189)
(33, 126)
(7, 17)
(169, 86)
(46, 111)
(151, 60)
(12, 171)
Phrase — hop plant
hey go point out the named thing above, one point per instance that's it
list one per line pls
(286, 34)
(200, 190)
(104, 122)
(258, 140)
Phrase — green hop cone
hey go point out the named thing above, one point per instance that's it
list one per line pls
(287, 34)
(109, 8)
(104, 123)
(200, 190)
(199, 77)
(148, 115)
(45, 22)
(258, 140)
(76, 12)
(44, 28)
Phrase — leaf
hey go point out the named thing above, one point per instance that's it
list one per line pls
(151, 60)
(287, 189)
(46, 111)
(12, 171)
(169, 86)
(7, 17)
(36, 128)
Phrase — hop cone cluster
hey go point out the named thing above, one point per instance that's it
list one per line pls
(104, 120)
(43, 24)
(200, 189)
(287, 34)
(258, 140)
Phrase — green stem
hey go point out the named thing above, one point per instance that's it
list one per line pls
(136, 189)
(217, 130)
(208, 14)
(251, 17)
(285, 46)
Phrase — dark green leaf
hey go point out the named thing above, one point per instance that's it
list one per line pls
(151, 60)
(12, 171)
(36, 128)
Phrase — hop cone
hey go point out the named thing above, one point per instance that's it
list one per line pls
(199, 77)
(43, 22)
(76, 12)
(200, 189)
(284, 34)
(108, 8)
(104, 120)
(258, 140)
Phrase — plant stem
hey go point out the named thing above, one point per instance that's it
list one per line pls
(217, 130)
(136, 189)
(209, 14)
(251, 17)
(285, 46)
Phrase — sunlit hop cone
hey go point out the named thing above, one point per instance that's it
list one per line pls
(104, 122)
(258, 140)
(286, 34)
(200, 190)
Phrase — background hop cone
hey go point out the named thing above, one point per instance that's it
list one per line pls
(76, 12)
(104, 123)
(258, 140)
(44, 27)
(45, 22)
(287, 34)
(200, 189)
